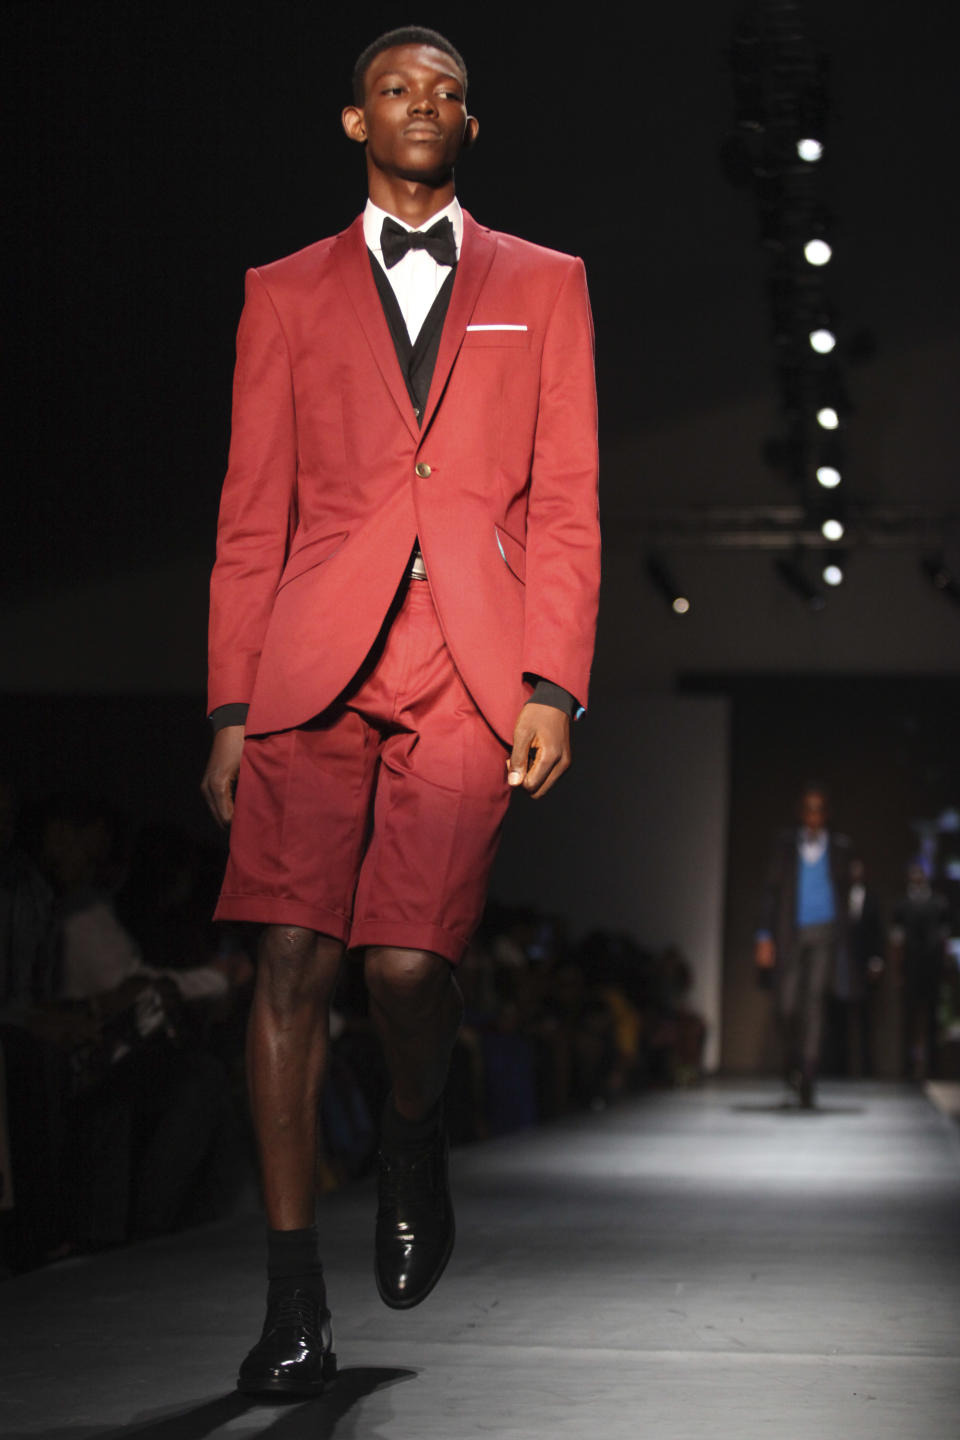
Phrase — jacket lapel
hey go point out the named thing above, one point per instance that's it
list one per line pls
(476, 257)
(353, 263)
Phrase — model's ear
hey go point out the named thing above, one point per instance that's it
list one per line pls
(471, 132)
(352, 118)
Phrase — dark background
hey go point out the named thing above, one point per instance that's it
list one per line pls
(155, 150)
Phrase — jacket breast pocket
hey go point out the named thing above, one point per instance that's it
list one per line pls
(496, 339)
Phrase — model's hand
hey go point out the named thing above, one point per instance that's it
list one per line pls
(220, 776)
(764, 954)
(541, 749)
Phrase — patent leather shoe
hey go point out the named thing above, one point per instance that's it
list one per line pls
(415, 1224)
(294, 1355)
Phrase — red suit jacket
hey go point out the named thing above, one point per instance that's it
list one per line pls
(330, 480)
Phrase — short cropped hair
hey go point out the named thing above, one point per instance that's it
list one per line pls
(405, 35)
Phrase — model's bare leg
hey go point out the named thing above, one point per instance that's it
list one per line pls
(417, 1009)
(286, 1059)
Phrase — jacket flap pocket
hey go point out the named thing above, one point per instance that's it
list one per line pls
(512, 552)
(310, 553)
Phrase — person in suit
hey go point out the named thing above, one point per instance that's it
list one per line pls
(857, 980)
(921, 928)
(402, 617)
(803, 930)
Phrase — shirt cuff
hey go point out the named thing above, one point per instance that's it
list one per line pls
(233, 714)
(546, 693)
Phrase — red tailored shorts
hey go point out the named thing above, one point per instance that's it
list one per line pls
(377, 822)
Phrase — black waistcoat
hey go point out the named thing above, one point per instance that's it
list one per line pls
(417, 361)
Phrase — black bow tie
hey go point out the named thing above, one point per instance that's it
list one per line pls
(438, 241)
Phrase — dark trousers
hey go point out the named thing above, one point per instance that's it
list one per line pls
(802, 977)
(921, 1028)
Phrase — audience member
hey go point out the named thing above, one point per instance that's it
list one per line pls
(156, 1133)
(115, 984)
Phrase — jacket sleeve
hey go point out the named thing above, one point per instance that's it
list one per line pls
(563, 530)
(258, 503)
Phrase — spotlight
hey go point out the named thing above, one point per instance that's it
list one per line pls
(791, 572)
(827, 417)
(832, 529)
(664, 582)
(818, 252)
(828, 476)
(822, 340)
(832, 574)
(809, 150)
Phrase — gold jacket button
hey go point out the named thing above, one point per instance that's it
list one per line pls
(423, 469)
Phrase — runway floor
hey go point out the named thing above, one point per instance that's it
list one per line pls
(700, 1263)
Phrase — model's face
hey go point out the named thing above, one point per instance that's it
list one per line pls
(813, 811)
(414, 118)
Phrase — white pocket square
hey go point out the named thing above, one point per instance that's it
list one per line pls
(496, 327)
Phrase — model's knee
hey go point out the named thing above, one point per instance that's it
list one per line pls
(297, 966)
(401, 978)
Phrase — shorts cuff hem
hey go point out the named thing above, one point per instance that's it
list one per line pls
(408, 934)
(275, 910)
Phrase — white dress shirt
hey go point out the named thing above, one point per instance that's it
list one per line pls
(99, 954)
(812, 845)
(416, 280)
(855, 904)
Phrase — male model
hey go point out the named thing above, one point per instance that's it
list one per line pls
(402, 619)
(806, 912)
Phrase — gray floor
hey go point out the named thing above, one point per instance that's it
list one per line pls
(690, 1264)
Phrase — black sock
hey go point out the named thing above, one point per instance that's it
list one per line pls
(396, 1130)
(293, 1263)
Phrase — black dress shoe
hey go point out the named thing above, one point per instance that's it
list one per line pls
(294, 1355)
(415, 1226)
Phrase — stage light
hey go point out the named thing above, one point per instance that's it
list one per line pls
(818, 252)
(832, 575)
(822, 340)
(809, 150)
(664, 582)
(828, 476)
(791, 572)
(832, 529)
(827, 417)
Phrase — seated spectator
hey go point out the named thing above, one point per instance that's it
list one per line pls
(680, 1034)
(156, 1130)
(33, 1079)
